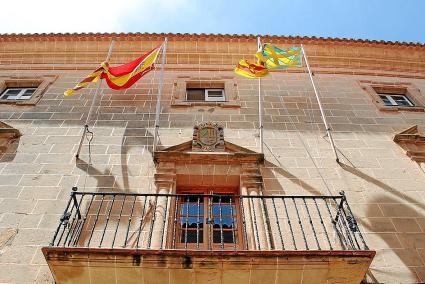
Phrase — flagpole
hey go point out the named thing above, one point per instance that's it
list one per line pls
(328, 129)
(99, 84)
(260, 107)
(158, 99)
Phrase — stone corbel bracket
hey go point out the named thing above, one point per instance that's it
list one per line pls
(165, 176)
(413, 143)
(251, 176)
(7, 135)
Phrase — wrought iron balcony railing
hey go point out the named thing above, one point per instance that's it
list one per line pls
(207, 222)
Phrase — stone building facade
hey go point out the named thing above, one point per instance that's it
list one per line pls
(373, 94)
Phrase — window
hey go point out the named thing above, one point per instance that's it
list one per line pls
(17, 93)
(395, 100)
(394, 96)
(207, 221)
(220, 91)
(207, 95)
(22, 90)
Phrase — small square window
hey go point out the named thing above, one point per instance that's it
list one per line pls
(17, 94)
(205, 91)
(395, 100)
(24, 90)
(205, 95)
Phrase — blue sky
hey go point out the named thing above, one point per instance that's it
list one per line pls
(373, 19)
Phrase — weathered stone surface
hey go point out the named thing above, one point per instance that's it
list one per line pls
(384, 186)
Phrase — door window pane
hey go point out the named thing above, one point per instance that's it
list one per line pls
(193, 236)
(227, 237)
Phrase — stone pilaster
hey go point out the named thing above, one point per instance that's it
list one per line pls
(165, 180)
(254, 211)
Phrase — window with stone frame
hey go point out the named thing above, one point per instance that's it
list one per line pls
(17, 94)
(202, 91)
(394, 96)
(24, 90)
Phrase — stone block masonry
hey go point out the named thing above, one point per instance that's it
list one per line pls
(384, 187)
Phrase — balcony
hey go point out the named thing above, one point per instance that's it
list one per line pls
(175, 238)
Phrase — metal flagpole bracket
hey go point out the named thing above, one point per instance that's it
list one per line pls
(86, 124)
(327, 127)
(86, 128)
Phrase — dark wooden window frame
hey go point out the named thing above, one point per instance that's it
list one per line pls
(207, 227)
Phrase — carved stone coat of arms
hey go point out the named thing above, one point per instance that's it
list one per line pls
(208, 136)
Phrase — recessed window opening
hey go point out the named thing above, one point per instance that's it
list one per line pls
(17, 93)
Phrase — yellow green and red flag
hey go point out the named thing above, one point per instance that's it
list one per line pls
(251, 70)
(276, 58)
(120, 77)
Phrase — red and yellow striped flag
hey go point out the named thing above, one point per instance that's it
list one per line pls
(92, 78)
(251, 70)
(120, 77)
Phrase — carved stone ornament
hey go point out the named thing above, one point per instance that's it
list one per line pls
(208, 137)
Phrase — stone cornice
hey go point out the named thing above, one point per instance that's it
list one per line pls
(233, 154)
(204, 157)
(216, 52)
(410, 135)
(206, 37)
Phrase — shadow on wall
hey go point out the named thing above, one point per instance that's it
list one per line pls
(134, 138)
(117, 209)
(103, 179)
(402, 240)
(390, 203)
(280, 169)
(291, 177)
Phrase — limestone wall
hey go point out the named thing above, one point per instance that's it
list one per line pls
(384, 187)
